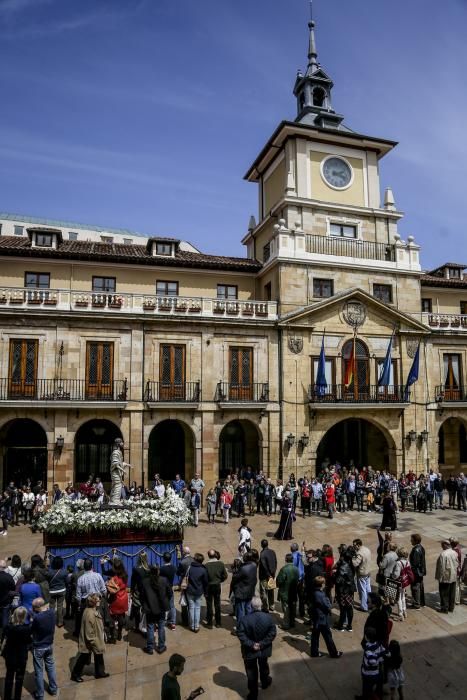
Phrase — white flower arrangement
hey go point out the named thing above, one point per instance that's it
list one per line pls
(167, 514)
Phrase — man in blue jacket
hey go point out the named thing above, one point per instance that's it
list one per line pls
(256, 633)
(321, 610)
(43, 629)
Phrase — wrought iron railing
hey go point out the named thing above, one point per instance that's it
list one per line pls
(443, 393)
(62, 390)
(257, 392)
(339, 393)
(350, 248)
(187, 392)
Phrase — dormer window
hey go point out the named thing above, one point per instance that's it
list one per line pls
(44, 240)
(44, 237)
(454, 273)
(163, 247)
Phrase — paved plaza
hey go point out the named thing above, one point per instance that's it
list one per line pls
(434, 646)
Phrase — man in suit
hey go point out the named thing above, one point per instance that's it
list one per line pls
(267, 571)
(256, 633)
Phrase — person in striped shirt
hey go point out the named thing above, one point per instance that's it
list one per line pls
(372, 666)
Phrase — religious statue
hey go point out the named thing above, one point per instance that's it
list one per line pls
(117, 472)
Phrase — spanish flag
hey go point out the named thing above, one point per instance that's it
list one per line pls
(350, 367)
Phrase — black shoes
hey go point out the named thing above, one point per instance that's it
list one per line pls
(76, 679)
(103, 675)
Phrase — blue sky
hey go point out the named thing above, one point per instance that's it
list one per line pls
(145, 114)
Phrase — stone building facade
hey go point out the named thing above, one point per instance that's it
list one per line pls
(207, 363)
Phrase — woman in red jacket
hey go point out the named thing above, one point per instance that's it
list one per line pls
(330, 498)
(117, 592)
(328, 560)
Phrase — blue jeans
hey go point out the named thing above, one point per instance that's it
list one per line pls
(158, 620)
(194, 607)
(41, 656)
(242, 608)
(438, 499)
(172, 613)
(363, 588)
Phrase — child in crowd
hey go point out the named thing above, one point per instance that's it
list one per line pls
(372, 666)
(396, 676)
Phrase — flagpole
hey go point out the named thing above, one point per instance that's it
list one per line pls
(354, 373)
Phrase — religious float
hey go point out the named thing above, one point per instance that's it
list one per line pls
(83, 529)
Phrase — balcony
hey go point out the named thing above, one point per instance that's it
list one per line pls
(446, 322)
(63, 391)
(254, 393)
(144, 305)
(446, 395)
(350, 248)
(184, 393)
(339, 396)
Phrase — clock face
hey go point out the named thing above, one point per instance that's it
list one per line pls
(337, 173)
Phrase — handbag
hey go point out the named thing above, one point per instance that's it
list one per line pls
(270, 584)
(184, 581)
(392, 590)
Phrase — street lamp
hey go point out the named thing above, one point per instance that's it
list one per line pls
(424, 436)
(411, 436)
(290, 440)
(304, 440)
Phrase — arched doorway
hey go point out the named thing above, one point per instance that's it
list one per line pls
(171, 451)
(238, 447)
(24, 451)
(93, 445)
(355, 442)
(452, 445)
(355, 367)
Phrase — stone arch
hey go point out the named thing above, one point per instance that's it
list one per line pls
(359, 439)
(23, 451)
(171, 450)
(93, 446)
(240, 443)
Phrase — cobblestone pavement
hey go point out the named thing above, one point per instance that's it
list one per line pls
(434, 646)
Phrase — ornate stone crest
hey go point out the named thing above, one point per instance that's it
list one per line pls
(412, 345)
(295, 345)
(354, 313)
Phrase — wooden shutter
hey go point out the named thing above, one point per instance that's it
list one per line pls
(241, 374)
(172, 372)
(23, 368)
(99, 370)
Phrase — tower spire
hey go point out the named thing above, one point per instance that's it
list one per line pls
(312, 52)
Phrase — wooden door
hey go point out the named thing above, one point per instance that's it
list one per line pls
(23, 368)
(356, 352)
(99, 370)
(241, 374)
(172, 373)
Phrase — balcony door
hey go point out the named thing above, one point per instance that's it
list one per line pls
(241, 374)
(172, 373)
(452, 376)
(356, 366)
(23, 368)
(99, 370)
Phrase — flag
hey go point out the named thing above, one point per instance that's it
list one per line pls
(385, 374)
(413, 374)
(321, 382)
(350, 367)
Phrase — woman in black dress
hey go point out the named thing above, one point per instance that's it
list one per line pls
(15, 652)
(389, 512)
(284, 531)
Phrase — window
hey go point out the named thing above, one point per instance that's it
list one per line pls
(268, 291)
(454, 273)
(241, 374)
(355, 367)
(18, 230)
(329, 373)
(172, 372)
(104, 284)
(163, 248)
(23, 368)
(39, 280)
(166, 289)
(227, 291)
(463, 305)
(107, 239)
(127, 241)
(343, 230)
(0, 229)
(427, 305)
(266, 252)
(383, 292)
(452, 376)
(44, 240)
(99, 370)
(72, 236)
(323, 288)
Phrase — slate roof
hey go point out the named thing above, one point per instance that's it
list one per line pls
(120, 253)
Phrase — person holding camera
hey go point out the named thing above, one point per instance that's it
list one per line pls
(170, 686)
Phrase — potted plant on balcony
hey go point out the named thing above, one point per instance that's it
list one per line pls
(149, 303)
(248, 309)
(98, 300)
(181, 304)
(455, 322)
(115, 302)
(195, 307)
(232, 308)
(218, 307)
(81, 300)
(444, 321)
(17, 298)
(50, 299)
(3, 298)
(262, 309)
(165, 304)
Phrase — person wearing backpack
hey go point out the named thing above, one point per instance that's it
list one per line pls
(403, 573)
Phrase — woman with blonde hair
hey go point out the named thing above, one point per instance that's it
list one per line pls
(15, 652)
(91, 641)
(402, 572)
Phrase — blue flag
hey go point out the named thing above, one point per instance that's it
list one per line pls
(385, 374)
(321, 383)
(413, 374)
